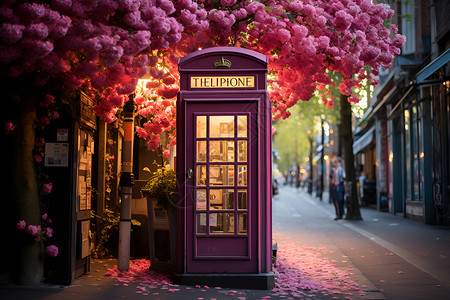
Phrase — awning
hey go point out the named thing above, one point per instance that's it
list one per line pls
(433, 66)
(391, 114)
(381, 103)
(363, 141)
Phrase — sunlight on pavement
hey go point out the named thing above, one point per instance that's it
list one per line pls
(302, 268)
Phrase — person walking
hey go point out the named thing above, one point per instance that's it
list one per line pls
(338, 182)
(333, 188)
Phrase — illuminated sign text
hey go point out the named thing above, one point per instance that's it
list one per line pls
(223, 82)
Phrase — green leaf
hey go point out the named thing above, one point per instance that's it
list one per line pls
(135, 222)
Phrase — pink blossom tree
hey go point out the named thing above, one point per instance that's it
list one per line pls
(103, 47)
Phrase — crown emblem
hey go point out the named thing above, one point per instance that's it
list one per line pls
(222, 64)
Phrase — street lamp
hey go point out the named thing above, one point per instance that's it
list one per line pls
(126, 183)
(310, 181)
(322, 168)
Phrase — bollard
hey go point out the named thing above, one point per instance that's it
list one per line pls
(274, 251)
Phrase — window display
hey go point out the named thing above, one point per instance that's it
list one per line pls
(221, 206)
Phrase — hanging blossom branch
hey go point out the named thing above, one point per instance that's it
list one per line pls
(159, 113)
(47, 110)
(38, 233)
(105, 46)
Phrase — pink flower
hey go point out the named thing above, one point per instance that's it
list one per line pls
(48, 232)
(9, 54)
(153, 142)
(353, 99)
(9, 126)
(168, 80)
(33, 229)
(142, 288)
(166, 153)
(11, 33)
(369, 53)
(39, 142)
(151, 84)
(55, 115)
(51, 250)
(46, 189)
(300, 31)
(36, 31)
(36, 48)
(45, 120)
(21, 225)
(152, 61)
(284, 35)
(227, 2)
(46, 219)
(155, 73)
(342, 21)
(167, 92)
(37, 158)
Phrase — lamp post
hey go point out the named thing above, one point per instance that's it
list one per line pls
(322, 169)
(310, 181)
(126, 183)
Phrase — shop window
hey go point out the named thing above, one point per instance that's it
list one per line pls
(407, 122)
(414, 153)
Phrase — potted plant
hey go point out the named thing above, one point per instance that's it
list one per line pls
(162, 186)
(160, 191)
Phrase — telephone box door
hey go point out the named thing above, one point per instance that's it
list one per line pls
(221, 203)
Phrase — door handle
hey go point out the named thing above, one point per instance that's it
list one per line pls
(190, 173)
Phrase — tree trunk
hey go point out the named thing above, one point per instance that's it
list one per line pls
(352, 204)
(28, 266)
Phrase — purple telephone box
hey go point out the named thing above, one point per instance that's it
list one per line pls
(224, 214)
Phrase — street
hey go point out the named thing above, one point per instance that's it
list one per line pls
(382, 257)
(390, 257)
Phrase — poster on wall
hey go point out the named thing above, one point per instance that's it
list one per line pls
(85, 170)
(83, 199)
(57, 154)
(62, 134)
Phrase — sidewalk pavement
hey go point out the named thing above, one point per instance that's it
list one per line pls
(427, 247)
(384, 257)
(402, 258)
(95, 285)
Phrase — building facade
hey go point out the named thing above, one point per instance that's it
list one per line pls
(409, 116)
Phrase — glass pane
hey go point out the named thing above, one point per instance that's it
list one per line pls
(242, 126)
(242, 175)
(222, 151)
(201, 223)
(201, 199)
(242, 151)
(221, 126)
(201, 151)
(221, 175)
(242, 223)
(201, 175)
(242, 199)
(407, 135)
(201, 126)
(221, 223)
(221, 199)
